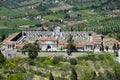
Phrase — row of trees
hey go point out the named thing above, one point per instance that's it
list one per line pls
(103, 26)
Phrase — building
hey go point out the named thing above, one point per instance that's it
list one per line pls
(55, 40)
(111, 42)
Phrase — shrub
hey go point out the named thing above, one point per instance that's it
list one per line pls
(17, 76)
(32, 54)
(31, 62)
(74, 74)
(73, 61)
(47, 61)
(51, 76)
(55, 60)
(2, 58)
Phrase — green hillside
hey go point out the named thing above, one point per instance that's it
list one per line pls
(101, 16)
(86, 67)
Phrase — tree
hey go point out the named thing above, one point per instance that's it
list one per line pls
(32, 54)
(2, 58)
(118, 46)
(32, 50)
(73, 61)
(55, 60)
(106, 47)
(3, 37)
(70, 47)
(51, 76)
(114, 47)
(102, 47)
(16, 76)
(73, 75)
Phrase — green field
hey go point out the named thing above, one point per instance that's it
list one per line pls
(8, 31)
(18, 22)
(100, 16)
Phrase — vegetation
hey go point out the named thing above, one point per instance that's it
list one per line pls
(70, 47)
(32, 50)
(73, 61)
(100, 16)
(2, 58)
(73, 75)
(51, 76)
(88, 15)
(3, 37)
(89, 67)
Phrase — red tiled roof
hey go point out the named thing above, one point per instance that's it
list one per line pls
(78, 45)
(65, 45)
(10, 37)
(118, 43)
(94, 39)
(20, 44)
(49, 39)
(39, 42)
(109, 39)
(60, 43)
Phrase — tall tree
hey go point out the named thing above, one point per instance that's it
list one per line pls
(102, 47)
(106, 47)
(3, 37)
(2, 58)
(70, 47)
(32, 50)
(51, 76)
(73, 75)
(114, 47)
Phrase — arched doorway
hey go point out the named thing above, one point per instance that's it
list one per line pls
(48, 47)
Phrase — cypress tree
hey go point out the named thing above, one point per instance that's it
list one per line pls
(51, 76)
(73, 75)
(3, 37)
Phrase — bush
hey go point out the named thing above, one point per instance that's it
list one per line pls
(2, 58)
(32, 54)
(17, 76)
(31, 62)
(73, 61)
(55, 60)
(51, 76)
(73, 75)
(47, 61)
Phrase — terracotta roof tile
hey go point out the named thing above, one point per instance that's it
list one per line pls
(60, 43)
(65, 45)
(9, 38)
(94, 39)
(20, 44)
(78, 45)
(39, 42)
(118, 43)
(109, 39)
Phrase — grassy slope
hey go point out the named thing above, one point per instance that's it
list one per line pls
(8, 31)
(85, 68)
